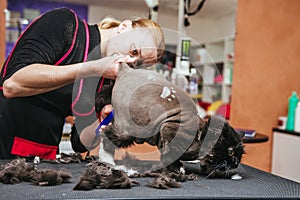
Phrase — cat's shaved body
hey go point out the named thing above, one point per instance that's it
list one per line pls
(148, 108)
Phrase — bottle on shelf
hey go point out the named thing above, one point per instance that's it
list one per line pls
(297, 118)
(193, 82)
(292, 104)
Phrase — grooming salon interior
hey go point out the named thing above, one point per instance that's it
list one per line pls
(235, 58)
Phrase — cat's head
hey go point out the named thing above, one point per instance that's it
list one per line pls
(221, 148)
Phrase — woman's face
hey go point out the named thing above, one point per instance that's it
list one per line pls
(135, 42)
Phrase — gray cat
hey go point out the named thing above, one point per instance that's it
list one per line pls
(148, 108)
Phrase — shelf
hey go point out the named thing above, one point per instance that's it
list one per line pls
(216, 60)
(196, 96)
(213, 84)
(258, 138)
(229, 61)
(286, 131)
(213, 63)
(217, 84)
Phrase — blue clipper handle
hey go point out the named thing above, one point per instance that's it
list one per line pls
(105, 121)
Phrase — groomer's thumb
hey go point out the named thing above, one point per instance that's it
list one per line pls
(128, 59)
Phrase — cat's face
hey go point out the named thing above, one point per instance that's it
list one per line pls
(222, 148)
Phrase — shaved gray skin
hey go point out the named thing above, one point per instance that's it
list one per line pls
(148, 108)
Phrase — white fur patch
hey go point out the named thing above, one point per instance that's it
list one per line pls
(109, 158)
(182, 170)
(128, 171)
(236, 177)
(105, 156)
(166, 92)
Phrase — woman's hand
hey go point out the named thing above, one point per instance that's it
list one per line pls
(87, 136)
(108, 66)
(106, 110)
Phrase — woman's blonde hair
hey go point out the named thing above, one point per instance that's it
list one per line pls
(156, 31)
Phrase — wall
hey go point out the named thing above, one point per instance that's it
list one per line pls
(41, 6)
(44, 6)
(200, 30)
(266, 69)
(2, 32)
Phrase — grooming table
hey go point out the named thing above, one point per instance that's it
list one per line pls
(255, 184)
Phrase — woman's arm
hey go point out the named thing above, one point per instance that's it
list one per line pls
(40, 78)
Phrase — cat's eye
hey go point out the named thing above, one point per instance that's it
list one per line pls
(230, 151)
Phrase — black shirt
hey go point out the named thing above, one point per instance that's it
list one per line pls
(33, 125)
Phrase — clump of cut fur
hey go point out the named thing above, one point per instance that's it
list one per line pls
(165, 179)
(19, 170)
(164, 182)
(50, 177)
(101, 175)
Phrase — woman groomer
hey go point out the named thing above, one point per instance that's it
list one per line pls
(40, 76)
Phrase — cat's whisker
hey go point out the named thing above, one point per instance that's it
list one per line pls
(219, 166)
(211, 173)
(227, 173)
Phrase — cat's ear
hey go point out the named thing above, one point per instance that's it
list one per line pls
(241, 133)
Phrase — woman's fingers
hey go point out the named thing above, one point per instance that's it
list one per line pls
(102, 128)
(110, 64)
(127, 59)
(106, 110)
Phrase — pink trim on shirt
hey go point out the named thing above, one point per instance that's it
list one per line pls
(9, 57)
(72, 45)
(101, 85)
(87, 44)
